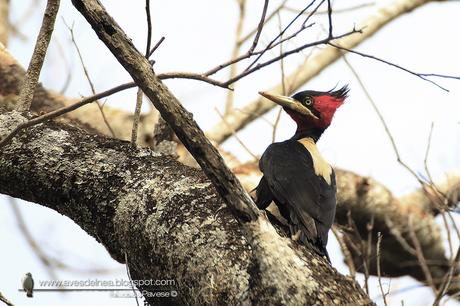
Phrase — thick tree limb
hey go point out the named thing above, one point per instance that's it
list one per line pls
(180, 120)
(312, 67)
(366, 199)
(167, 218)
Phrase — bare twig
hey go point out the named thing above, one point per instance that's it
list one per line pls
(267, 19)
(192, 76)
(67, 66)
(367, 252)
(270, 44)
(156, 46)
(382, 120)
(430, 191)
(236, 50)
(314, 66)
(260, 26)
(379, 273)
(345, 251)
(427, 152)
(37, 250)
(30, 81)
(329, 17)
(287, 53)
(249, 54)
(420, 256)
(423, 76)
(139, 95)
(180, 120)
(88, 78)
(149, 28)
(336, 10)
(255, 157)
(283, 85)
(362, 249)
(64, 110)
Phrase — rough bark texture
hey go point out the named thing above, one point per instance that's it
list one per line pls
(356, 197)
(167, 218)
(366, 199)
(171, 110)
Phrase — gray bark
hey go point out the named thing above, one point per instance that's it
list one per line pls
(167, 218)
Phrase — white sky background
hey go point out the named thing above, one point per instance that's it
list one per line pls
(199, 35)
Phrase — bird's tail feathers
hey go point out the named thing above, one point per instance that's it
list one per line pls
(301, 234)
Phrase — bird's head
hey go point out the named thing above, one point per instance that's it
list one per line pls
(311, 110)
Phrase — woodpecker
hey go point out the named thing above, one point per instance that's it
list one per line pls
(295, 175)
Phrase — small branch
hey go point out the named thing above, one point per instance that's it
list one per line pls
(345, 251)
(88, 78)
(137, 116)
(379, 273)
(236, 50)
(172, 111)
(255, 157)
(149, 28)
(156, 46)
(420, 257)
(427, 152)
(285, 54)
(267, 19)
(429, 190)
(64, 110)
(422, 76)
(338, 10)
(47, 262)
(367, 252)
(248, 54)
(329, 16)
(283, 86)
(282, 33)
(30, 81)
(260, 26)
(137, 110)
(192, 76)
(311, 68)
(448, 279)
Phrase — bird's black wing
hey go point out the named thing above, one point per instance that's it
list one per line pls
(289, 173)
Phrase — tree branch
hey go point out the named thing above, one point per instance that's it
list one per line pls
(170, 108)
(239, 119)
(38, 56)
(167, 218)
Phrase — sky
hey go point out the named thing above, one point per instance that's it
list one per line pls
(198, 36)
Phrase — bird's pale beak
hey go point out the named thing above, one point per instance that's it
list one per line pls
(288, 102)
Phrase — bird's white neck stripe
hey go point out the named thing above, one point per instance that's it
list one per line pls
(322, 168)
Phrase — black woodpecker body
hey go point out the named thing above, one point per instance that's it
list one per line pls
(295, 175)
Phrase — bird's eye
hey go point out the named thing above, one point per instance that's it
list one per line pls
(308, 101)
